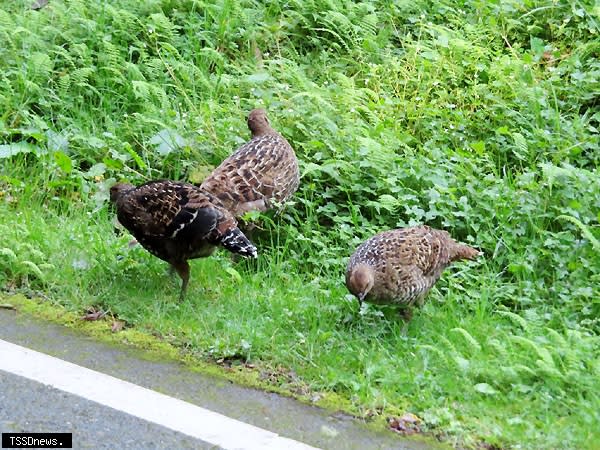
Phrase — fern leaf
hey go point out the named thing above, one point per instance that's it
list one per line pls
(8, 253)
(388, 202)
(558, 338)
(64, 83)
(499, 347)
(141, 90)
(81, 75)
(469, 338)
(433, 349)
(520, 149)
(514, 317)
(524, 369)
(584, 230)
(549, 369)
(33, 268)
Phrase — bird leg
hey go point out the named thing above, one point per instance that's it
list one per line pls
(360, 297)
(183, 269)
(420, 300)
(406, 314)
(360, 303)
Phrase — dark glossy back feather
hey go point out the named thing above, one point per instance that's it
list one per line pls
(177, 222)
(179, 212)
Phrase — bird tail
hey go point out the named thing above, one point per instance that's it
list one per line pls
(236, 242)
(462, 251)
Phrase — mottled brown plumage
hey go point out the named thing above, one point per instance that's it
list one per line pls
(260, 172)
(400, 266)
(177, 222)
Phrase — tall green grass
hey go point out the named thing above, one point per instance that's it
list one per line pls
(477, 117)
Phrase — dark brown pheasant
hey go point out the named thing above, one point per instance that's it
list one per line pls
(401, 266)
(177, 222)
(263, 170)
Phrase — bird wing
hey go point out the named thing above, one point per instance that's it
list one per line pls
(417, 246)
(167, 209)
(264, 168)
(424, 248)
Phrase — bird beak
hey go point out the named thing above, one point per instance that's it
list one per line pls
(362, 296)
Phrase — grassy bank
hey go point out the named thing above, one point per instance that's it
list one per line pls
(477, 117)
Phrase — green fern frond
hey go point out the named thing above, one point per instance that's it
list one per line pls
(525, 369)
(110, 56)
(155, 68)
(541, 351)
(33, 269)
(558, 338)
(499, 348)
(388, 202)
(452, 349)
(7, 24)
(141, 90)
(41, 65)
(469, 338)
(369, 24)
(435, 350)
(584, 230)
(162, 26)
(549, 369)
(514, 317)
(80, 76)
(7, 252)
(133, 72)
(159, 94)
(64, 83)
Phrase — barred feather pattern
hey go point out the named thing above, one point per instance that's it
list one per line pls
(177, 221)
(401, 266)
(260, 172)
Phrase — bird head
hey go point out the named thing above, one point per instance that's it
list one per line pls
(258, 122)
(118, 189)
(360, 281)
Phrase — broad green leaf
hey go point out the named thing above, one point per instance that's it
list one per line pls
(478, 146)
(63, 161)
(485, 388)
(8, 150)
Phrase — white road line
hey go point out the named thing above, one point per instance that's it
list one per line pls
(146, 404)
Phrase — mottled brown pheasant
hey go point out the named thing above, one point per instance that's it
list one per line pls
(177, 222)
(260, 172)
(401, 266)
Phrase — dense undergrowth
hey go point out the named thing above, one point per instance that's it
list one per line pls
(479, 117)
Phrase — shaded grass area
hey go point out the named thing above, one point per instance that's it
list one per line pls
(480, 118)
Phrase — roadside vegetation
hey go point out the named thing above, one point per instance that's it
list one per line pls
(478, 117)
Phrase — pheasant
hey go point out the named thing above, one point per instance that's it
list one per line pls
(178, 221)
(263, 170)
(401, 266)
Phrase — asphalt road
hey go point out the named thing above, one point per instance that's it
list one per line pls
(28, 406)
(31, 406)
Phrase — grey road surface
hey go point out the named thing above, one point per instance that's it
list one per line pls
(26, 405)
